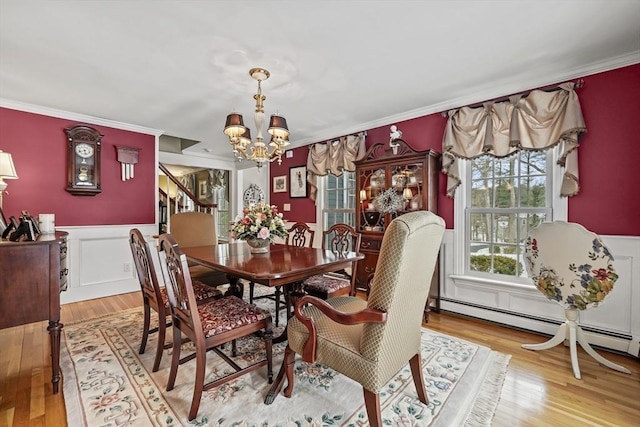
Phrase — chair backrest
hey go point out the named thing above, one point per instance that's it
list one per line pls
(569, 264)
(193, 229)
(300, 234)
(406, 263)
(341, 238)
(178, 282)
(145, 270)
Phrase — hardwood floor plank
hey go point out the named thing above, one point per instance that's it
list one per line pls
(539, 389)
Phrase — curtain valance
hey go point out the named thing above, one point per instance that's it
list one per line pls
(333, 157)
(538, 121)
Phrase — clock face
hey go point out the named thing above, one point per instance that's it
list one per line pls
(84, 150)
(253, 194)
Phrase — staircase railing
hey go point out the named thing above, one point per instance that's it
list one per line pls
(184, 201)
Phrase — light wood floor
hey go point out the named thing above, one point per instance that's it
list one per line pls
(539, 389)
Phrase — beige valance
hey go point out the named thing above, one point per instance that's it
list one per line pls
(333, 157)
(538, 121)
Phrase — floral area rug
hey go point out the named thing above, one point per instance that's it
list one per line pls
(107, 383)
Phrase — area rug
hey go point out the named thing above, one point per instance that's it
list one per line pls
(107, 383)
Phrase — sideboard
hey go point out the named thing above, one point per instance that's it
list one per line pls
(32, 274)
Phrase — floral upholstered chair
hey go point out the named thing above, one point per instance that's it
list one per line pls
(371, 340)
(299, 235)
(208, 326)
(155, 297)
(339, 238)
(571, 266)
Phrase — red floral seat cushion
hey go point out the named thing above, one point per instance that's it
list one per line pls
(322, 283)
(228, 313)
(200, 290)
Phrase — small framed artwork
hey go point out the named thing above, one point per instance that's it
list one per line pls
(298, 181)
(280, 184)
(202, 189)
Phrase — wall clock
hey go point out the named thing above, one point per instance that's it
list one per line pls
(253, 195)
(84, 145)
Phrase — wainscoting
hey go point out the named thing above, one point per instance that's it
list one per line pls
(100, 261)
(614, 325)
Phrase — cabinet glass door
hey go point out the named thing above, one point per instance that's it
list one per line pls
(372, 183)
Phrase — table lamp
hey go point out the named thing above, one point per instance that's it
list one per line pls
(7, 170)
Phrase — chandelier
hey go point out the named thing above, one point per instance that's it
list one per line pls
(240, 136)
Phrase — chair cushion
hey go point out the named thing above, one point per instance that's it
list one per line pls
(200, 291)
(326, 284)
(228, 313)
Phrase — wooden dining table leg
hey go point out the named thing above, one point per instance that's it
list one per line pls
(293, 291)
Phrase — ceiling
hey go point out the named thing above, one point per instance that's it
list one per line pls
(337, 67)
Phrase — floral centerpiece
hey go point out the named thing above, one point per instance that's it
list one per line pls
(259, 225)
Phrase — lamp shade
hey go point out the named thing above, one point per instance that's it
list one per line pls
(407, 194)
(234, 125)
(7, 169)
(278, 126)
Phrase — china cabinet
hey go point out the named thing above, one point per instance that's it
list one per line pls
(393, 179)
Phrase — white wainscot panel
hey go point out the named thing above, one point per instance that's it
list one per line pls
(100, 261)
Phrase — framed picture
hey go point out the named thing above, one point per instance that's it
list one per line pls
(298, 181)
(202, 189)
(280, 184)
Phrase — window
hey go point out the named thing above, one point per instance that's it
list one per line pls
(337, 201)
(505, 198)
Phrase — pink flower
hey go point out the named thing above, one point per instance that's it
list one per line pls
(263, 233)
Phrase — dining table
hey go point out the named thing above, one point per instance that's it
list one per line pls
(282, 265)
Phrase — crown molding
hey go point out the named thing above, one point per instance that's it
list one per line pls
(476, 97)
(52, 112)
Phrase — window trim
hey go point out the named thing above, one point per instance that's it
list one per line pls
(559, 206)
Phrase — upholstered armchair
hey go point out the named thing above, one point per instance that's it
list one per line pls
(197, 229)
(571, 266)
(371, 340)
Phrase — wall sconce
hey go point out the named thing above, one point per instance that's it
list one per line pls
(363, 195)
(127, 156)
(7, 170)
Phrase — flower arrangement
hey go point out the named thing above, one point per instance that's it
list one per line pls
(259, 221)
(389, 201)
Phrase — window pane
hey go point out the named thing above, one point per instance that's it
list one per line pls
(508, 198)
(339, 199)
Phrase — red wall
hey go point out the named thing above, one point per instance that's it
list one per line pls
(38, 146)
(609, 156)
(302, 209)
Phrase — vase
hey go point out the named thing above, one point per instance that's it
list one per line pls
(259, 246)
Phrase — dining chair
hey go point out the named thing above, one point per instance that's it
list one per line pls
(571, 266)
(339, 238)
(371, 340)
(300, 235)
(155, 297)
(209, 325)
(197, 229)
